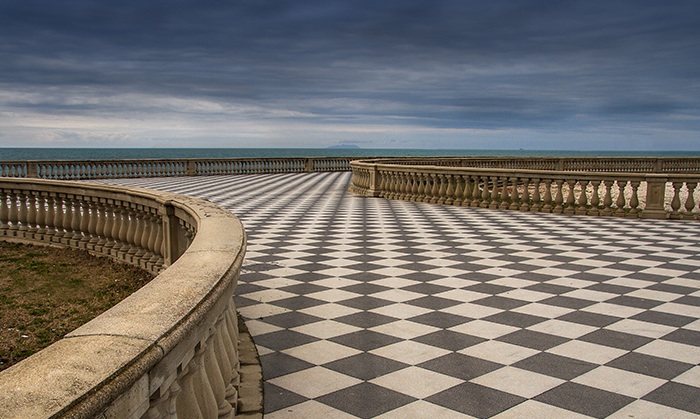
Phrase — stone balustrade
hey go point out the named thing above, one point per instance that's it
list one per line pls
(624, 187)
(109, 169)
(168, 350)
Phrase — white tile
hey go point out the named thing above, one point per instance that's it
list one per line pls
(590, 295)
(484, 329)
(514, 282)
(680, 309)
(398, 295)
(672, 350)
(309, 409)
(653, 295)
(400, 310)
(518, 381)
(393, 282)
(563, 328)
(314, 382)
(475, 311)
(690, 377)
(500, 352)
(430, 382)
(260, 311)
(325, 329)
(535, 409)
(571, 282)
(329, 311)
(335, 282)
(404, 329)
(420, 409)
(257, 327)
(619, 381)
(615, 310)
(462, 295)
(410, 352)
(333, 295)
(645, 409)
(542, 310)
(597, 354)
(636, 327)
(321, 352)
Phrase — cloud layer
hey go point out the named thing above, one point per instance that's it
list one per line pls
(537, 74)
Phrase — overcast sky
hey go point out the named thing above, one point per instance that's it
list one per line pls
(542, 74)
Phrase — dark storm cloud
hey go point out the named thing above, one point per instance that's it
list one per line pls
(549, 65)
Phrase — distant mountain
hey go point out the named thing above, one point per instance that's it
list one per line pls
(345, 146)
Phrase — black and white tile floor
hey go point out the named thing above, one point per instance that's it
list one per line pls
(363, 307)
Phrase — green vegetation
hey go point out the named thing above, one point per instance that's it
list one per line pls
(48, 292)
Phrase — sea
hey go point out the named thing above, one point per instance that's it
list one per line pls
(18, 153)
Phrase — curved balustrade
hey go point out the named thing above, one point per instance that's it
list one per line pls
(109, 169)
(171, 348)
(513, 184)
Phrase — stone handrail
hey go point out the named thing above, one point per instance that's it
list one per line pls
(626, 187)
(171, 348)
(107, 169)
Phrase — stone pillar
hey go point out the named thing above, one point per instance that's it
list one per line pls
(656, 191)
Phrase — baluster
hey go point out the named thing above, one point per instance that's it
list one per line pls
(77, 219)
(13, 217)
(58, 219)
(450, 192)
(595, 199)
(458, 190)
(109, 227)
(536, 198)
(525, 204)
(121, 225)
(582, 205)
(547, 200)
(101, 224)
(203, 390)
(634, 200)
(216, 379)
(494, 193)
(85, 222)
(4, 213)
(23, 214)
(559, 197)
(442, 191)
(68, 219)
(420, 194)
(607, 199)
(514, 194)
(485, 193)
(31, 215)
(435, 191)
(690, 202)
(50, 217)
(620, 201)
(467, 200)
(131, 221)
(570, 197)
(476, 192)
(676, 201)
(505, 194)
(92, 225)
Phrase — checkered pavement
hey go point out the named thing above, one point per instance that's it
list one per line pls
(364, 307)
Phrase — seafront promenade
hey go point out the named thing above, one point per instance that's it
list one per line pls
(367, 307)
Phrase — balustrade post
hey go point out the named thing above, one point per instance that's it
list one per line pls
(458, 190)
(467, 200)
(525, 204)
(582, 206)
(514, 194)
(13, 217)
(570, 197)
(450, 192)
(656, 194)
(442, 190)
(505, 196)
(547, 208)
(435, 190)
(690, 201)
(494, 193)
(4, 213)
(536, 198)
(170, 234)
(485, 193)
(23, 213)
(595, 198)
(621, 199)
(559, 198)
(476, 192)
(32, 214)
(634, 200)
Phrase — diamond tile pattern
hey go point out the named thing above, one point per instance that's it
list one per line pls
(364, 307)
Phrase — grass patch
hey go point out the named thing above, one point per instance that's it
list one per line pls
(48, 292)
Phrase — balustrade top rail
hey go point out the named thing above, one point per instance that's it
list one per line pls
(607, 186)
(106, 169)
(168, 349)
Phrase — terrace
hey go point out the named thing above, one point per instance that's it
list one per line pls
(364, 307)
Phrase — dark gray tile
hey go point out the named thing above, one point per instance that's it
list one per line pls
(365, 340)
(688, 300)
(555, 365)
(277, 364)
(676, 289)
(610, 288)
(460, 366)
(426, 288)
(475, 400)
(277, 398)
(365, 366)
(488, 288)
(365, 319)
(366, 400)
(688, 337)
(667, 369)
(532, 339)
(449, 340)
(291, 319)
(590, 319)
(365, 302)
(433, 303)
(440, 319)
(616, 339)
(585, 400)
(365, 288)
(511, 318)
(548, 288)
(676, 395)
(666, 319)
(283, 339)
(504, 303)
(567, 302)
(299, 302)
(626, 300)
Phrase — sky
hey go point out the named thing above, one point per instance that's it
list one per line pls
(462, 74)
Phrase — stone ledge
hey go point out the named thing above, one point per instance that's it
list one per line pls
(250, 395)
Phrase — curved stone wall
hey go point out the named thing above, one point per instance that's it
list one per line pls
(625, 187)
(169, 349)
